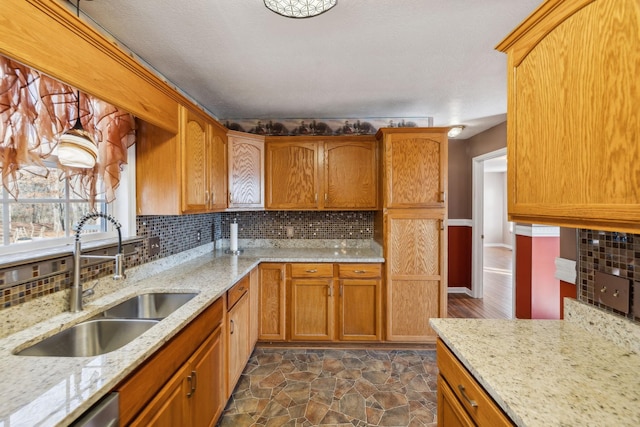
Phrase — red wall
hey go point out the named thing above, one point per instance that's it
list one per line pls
(523, 277)
(459, 256)
(538, 293)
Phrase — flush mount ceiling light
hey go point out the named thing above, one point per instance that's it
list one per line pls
(76, 148)
(299, 8)
(455, 131)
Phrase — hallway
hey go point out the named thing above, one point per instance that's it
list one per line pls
(497, 301)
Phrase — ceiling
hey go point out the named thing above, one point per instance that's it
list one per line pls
(362, 59)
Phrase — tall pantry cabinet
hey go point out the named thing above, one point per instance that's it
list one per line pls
(413, 224)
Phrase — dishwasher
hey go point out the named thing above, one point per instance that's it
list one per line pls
(105, 413)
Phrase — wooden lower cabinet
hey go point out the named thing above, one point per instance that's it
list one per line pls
(360, 310)
(415, 273)
(272, 302)
(461, 400)
(312, 309)
(238, 345)
(194, 395)
(254, 302)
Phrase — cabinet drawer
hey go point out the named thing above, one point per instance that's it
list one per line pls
(237, 291)
(312, 270)
(356, 271)
(477, 403)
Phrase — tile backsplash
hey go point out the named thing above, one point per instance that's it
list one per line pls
(612, 253)
(28, 281)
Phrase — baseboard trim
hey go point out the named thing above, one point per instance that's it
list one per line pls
(459, 290)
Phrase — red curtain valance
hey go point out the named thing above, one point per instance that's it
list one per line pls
(36, 109)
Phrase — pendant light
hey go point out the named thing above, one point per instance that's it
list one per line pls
(299, 8)
(76, 147)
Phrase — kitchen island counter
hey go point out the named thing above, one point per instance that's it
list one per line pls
(548, 372)
(53, 391)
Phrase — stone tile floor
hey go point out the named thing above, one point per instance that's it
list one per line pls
(300, 387)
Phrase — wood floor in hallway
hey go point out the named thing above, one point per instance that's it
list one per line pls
(497, 298)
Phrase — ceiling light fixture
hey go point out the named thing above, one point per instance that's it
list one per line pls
(455, 131)
(76, 148)
(299, 8)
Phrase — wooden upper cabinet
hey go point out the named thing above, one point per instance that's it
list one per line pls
(415, 168)
(184, 172)
(195, 142)
(573, 122)
(292, 175)
(311, 172)
(350, 175)
(218, 170)
(246, 170)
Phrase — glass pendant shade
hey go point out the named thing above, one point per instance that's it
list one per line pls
(76, 148)
(299, 8)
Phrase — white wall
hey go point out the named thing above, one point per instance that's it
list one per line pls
(496, 227)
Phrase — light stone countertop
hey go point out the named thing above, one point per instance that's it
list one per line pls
(53, 391)
(548, 372)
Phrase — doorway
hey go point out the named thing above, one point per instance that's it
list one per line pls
(492, 236)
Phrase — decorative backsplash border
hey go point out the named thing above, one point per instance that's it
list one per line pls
(22, 283)
(607, 252)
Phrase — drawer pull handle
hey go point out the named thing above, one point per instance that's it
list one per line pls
(241, 288)
(464, 394)
(232, 324)
(359, 271)
(190, 381)
(312, 271)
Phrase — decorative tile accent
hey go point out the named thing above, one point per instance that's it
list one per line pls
(608, 252)
(179, 233)
(306, 224)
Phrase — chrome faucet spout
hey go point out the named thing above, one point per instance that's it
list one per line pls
(75, 295)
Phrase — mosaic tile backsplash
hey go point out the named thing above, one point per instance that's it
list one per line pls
(22, 283)
(612, 253)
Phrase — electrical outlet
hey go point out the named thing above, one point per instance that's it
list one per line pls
(199, 235)
(154, 246)
(289, 231)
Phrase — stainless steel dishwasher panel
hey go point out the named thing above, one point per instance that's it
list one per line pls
(105, 413)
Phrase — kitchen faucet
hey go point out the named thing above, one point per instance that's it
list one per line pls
(76, 293)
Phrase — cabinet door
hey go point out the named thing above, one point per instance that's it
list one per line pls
(450, 411)
(246, 170)
(195, 183)
(350, 175)
(207, 381)
(218, 169)
(272, 302)
(360, 310)
(415, 168)
(238, 341)
(572, 116)
(170, 407)
(312, 309)
(254, 301)
(416, 285)
(292, 175)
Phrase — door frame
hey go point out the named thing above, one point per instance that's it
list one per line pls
(477, 215)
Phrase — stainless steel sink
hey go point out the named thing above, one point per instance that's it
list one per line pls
(148, 306)
(112, 328)
(90, 338)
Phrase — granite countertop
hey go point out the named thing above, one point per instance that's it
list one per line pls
(548, 372)
(53, 391)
